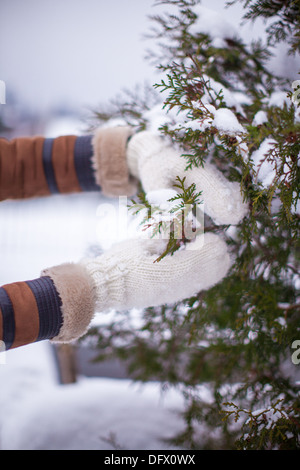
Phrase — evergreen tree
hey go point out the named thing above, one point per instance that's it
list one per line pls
(238, 341)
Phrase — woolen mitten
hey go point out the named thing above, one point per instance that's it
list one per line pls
(156, 163)
(61, 304)
(110, 163)
(127, 275)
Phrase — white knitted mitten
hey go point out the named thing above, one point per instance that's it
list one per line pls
(156, 164)
(126, 276)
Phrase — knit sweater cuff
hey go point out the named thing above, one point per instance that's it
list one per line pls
(57, 306)
(110, 161)
(76, 290)
(38, 166)
(30, 311)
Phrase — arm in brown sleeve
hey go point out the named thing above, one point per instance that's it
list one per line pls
(58, 306)
(38, 166)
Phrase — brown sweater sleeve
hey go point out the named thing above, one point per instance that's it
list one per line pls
(59, 305)
(38, 166)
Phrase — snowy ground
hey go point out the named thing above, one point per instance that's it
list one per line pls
(95, 413)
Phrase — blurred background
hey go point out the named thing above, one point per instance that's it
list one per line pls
(67, 57)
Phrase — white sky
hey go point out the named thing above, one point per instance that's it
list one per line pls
(72, 51)
(80, 52)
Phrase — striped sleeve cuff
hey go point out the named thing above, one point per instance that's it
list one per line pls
(38, 166)
(30, 311)
(57, 306)
(67, 163)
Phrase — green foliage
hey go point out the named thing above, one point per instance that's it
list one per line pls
(285, 15)
(234, 340)
(276, 426)
(174, 222)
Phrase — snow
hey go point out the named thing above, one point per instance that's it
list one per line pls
(156, 117)
(264, 169)
(278, 98)
(38, 413)
(213, 23)
(233, 99)
(260, 118)
(226, 121)
(161, 197)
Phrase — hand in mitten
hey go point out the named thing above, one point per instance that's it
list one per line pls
(127, 275)
(156, 163)
(61, 304)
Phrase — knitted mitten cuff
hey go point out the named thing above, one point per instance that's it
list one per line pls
(77, 293)
(57, 306)
(110, 161)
